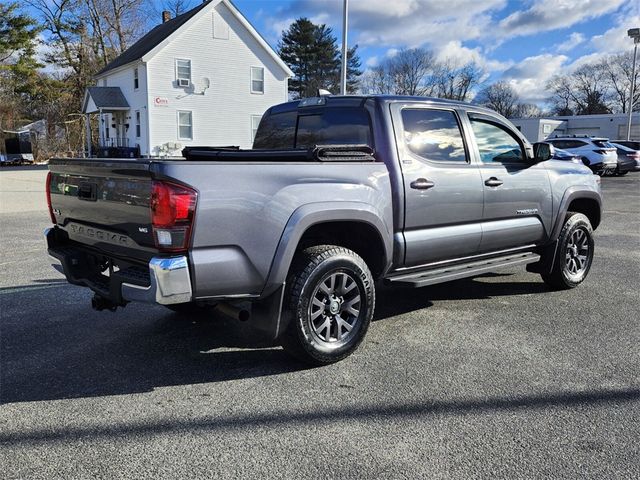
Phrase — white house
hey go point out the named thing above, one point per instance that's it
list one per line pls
(202, 78)
(612, 126)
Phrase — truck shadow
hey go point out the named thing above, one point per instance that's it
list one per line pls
(71, 351)
(392, 300)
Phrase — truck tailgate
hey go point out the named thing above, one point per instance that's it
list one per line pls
(104, 204)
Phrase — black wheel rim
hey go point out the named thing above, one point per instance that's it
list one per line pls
(334, 310)
(577, 253)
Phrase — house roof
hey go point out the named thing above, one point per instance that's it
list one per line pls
(105, 98)
(161, 32)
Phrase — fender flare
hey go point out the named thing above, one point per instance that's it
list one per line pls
(312, 214)
(573, 193)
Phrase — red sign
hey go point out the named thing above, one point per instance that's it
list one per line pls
(161, 102)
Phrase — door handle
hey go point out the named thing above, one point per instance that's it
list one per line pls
(493, 182)
(422, 184)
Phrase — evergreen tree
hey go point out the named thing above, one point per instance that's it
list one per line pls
(18, 65)
(312, 53)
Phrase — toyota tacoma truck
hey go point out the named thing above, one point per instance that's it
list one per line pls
(339, 194)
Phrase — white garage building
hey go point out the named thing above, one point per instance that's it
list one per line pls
(612, 126)
(202, 78)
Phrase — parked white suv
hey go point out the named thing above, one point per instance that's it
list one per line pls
(596, 152)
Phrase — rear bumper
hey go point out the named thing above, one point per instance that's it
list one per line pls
(165, 281)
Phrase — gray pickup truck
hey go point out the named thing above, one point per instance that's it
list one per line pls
(337, 194)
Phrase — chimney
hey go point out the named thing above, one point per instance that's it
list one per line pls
(166, 16)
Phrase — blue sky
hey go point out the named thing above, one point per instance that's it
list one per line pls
(523, 42)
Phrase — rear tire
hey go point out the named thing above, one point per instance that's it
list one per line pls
(619, 173)
(331, 296)
(574, 254)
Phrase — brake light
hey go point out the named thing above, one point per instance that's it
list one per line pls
(48, 190)
(172, 212)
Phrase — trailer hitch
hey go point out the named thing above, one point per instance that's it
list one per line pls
(99, 303)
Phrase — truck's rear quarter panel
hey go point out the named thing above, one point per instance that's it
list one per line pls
(244, 208)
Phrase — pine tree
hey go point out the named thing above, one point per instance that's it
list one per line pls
(18, 65)
(312, 53)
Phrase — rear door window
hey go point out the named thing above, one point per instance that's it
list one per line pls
(603, 144)
(434, 135)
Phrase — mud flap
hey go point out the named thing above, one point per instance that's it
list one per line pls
(268, 316)
(547, 259)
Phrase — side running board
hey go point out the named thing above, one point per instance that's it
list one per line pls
(454, 272)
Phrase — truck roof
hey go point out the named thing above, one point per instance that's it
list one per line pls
(358, 100)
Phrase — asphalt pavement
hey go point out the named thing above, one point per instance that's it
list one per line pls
(495, 377)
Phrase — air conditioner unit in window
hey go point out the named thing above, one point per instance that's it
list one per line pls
(184, 82)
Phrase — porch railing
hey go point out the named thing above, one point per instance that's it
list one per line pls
(114, 142)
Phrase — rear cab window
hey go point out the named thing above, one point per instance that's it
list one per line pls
(306, 128)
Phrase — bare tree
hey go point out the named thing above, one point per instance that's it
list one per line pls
(590, 93)
(409, 72)
(176, 7)
(561, 88)
(499, 96)
(455, 81)
(527, 110)
(617, 70)
(413, 72)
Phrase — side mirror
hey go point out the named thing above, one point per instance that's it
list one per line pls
(543, 151)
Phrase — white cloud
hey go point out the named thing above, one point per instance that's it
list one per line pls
(530, 76)
(615, 40)
(456, 52)
(546, 15)
(372, 61)
(409, 23)
(570, 43)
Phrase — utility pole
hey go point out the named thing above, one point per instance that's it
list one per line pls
(343, 73)
(635, 34)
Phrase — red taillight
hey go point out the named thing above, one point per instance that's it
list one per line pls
(172, 211)
(48, 190)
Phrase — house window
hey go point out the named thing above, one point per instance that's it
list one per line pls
(183, 69)
(137, 123)
(136, 82)
(257, 80)
(255, 122)
(546, 128)
(185, 126)
(104, 82)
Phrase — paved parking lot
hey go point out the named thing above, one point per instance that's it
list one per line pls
(494, 377)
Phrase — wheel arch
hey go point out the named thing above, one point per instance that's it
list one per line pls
(581, 200)
(353, 225)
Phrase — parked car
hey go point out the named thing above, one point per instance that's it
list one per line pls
(633, 144)
(628, 159)
(559, 154)
(595, 152)
(338, 192)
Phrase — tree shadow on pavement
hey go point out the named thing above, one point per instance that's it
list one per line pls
(414, 411)
(53, 346)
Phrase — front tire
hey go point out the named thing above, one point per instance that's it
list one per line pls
(574, 255)
(331, 303)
